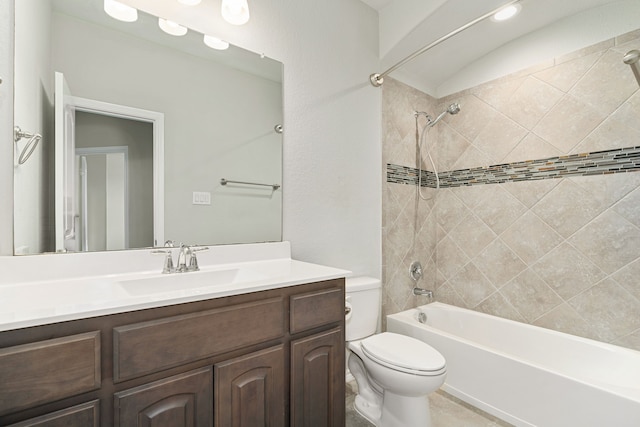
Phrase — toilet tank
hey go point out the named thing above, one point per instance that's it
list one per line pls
(363, 296)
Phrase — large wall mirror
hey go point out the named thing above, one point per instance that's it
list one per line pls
(139, 128)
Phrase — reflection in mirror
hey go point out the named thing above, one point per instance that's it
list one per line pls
(220, 110)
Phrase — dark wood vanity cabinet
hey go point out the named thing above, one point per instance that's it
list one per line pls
(317, 380)
(271, 358)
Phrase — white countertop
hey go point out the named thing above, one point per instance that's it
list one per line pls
(55, 296)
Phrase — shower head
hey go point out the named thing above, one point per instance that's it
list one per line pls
(451, 109)
(631, 58)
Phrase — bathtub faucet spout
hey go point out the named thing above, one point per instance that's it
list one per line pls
(423, 292)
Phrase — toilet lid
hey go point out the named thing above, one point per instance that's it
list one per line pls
(395, 350)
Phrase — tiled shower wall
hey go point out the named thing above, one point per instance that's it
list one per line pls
(561, 253)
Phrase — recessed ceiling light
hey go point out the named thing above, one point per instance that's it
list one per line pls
(507, 12)
(120, 11)
(215, 43)
(171, 27)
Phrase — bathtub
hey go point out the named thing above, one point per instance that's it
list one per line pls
(526, 375)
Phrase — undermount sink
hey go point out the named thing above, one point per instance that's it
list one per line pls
(186, 281)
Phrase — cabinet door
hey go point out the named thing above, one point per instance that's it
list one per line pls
(249, 390)
(184, 400)
(317, 380)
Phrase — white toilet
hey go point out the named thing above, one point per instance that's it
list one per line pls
(394, 372)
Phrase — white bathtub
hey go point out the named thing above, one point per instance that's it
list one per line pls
(526, 375)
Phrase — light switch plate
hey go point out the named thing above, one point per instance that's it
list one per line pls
(201, 198)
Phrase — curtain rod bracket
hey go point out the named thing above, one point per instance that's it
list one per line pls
(376, 79)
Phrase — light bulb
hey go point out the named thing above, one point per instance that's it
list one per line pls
(171, 27)
(190, 2)
(235, 12)
(507, 12)
(215, 43)
(120, 11)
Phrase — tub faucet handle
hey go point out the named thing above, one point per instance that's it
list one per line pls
(415, 271)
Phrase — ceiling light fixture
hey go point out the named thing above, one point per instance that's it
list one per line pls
(235, 12)
(215, 43)
(190, 2)
(507, 12)
(120, 11)
(171, 27)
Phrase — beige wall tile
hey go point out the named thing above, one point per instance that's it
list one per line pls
(612, 133)
(567, 271)
(565, 75)
(530, 192)
(450, 258)
(629, 207)
(498, 263)
(532, 147)
(498, 138)
(628, 278)
(568, 123)
(610, 241)
(472, 235)
(530, 295)
(531, 102)
(471, 285)
(609, 309)
(564, 318)
(497, 305)
(499, 209)
(568, 207)
(607, 84)
(530, 238)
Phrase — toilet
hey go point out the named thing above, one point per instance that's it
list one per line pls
(395, 373)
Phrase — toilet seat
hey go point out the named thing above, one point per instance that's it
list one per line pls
(404, 354)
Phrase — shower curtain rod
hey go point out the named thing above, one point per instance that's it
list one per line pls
(377, 79)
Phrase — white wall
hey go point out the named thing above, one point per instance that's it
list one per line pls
(332, 149)
(6, 126)
(32, 88)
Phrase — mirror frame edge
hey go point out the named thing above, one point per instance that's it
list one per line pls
(7, 39)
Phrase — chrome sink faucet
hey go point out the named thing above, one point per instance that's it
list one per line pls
(187, 260)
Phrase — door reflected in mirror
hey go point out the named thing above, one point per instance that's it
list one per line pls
(220, 113)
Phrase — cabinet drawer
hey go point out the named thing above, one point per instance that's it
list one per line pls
(44, 371)
(85, 415)
(316, 308)
(147, 347)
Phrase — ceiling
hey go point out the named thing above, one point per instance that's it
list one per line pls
(543, 29)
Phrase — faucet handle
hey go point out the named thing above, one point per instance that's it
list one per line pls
(168, 261)
(193, 261)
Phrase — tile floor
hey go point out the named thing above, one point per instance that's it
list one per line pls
(446, 411)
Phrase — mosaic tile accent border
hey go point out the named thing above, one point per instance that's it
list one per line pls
(619, 160)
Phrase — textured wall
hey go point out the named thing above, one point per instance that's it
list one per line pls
(560, 253)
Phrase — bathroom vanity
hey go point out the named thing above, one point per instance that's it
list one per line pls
(249, 358)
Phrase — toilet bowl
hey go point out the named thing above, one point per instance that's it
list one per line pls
(395, 373)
